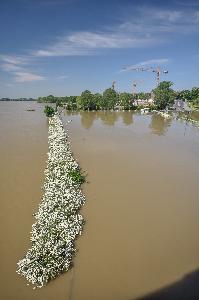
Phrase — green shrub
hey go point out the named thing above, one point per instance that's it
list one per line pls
(77, 176)
(49, 111)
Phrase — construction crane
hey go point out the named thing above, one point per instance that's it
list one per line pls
(113, 85)
(156, 70)
(134, 83)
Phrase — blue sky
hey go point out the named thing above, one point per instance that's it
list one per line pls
(63, 47)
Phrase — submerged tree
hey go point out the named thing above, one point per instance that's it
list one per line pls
(125, 100)
(71, 102)
(85, 101)
(164, 95)
(184, 95)
(49, 111)
(110, 98)
(97, 98)
(194, 93)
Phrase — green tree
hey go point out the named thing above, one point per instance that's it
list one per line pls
(196, 103)
(110, 98)
(86, 101)
(164, 95)
(49, 111)
(141, 95)
(125, 100)
(184, 95)
(194, 93)
(97, 99)
(40, 99)
(51, 99)
(72, 102)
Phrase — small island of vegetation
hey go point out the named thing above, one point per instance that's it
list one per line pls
(57, 221)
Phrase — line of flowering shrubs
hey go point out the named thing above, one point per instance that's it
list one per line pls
(188, 119)
(57, 220)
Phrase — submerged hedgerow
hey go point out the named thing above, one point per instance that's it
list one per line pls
(57, 220)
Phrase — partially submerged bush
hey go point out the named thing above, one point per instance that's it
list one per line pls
(49, 111)
(77, 176)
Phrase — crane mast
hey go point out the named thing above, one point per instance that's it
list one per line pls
(113, 85)
(134, 84)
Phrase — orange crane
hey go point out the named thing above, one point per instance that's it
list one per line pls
(156, 70)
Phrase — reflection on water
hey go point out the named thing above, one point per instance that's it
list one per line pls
(141, 231)
(108, 118)
(141, 213)
(127, 117)
(87, 118)
(159, 124)
(195, 115)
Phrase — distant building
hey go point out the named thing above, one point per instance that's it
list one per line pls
(143, 102)
(151, 101)
(180, 105)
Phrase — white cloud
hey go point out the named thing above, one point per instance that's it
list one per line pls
(146, 26)
(10, 84)
(155, 21)
(158, 61)
(62, 77)
(87, 43)
(187, 3)
(27, 77)
(10, 67)
(14, 59)
(17, 67)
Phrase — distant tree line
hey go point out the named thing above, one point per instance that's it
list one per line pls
(108, 100)
(163, 96)
(192, 96)
(17, 99)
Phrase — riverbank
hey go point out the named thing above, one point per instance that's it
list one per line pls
(57, 220)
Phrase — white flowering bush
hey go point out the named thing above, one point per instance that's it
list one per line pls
(57, 220)
(188, 119)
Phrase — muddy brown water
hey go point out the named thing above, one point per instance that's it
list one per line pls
(142, 207)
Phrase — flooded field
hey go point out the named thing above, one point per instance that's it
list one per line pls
(23, 147)
(142, 208)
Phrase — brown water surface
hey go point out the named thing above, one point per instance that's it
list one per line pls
(142, 206)
(23, 147)
(142, 203)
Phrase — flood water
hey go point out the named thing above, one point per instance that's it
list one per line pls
(142, 208)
